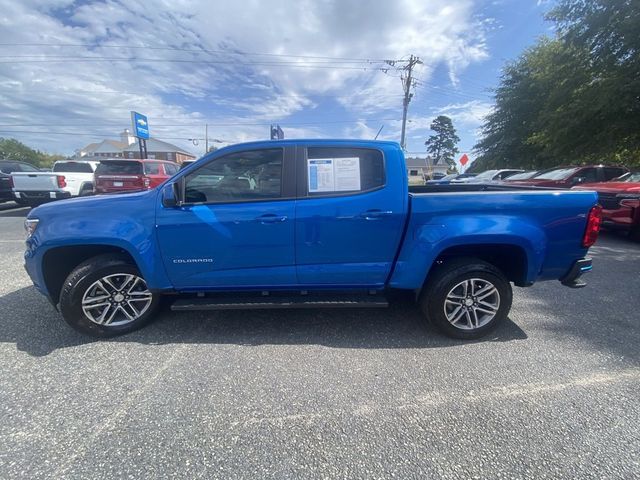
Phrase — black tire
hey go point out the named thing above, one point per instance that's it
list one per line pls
(634, 234)
(448, 275)
(83, 278)
(21, 201)
(86, 190)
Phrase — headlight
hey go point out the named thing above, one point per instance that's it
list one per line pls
(30, 225)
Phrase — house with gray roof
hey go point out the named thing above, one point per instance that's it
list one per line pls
(127, 147)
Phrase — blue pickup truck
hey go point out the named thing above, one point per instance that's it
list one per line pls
(305, 224)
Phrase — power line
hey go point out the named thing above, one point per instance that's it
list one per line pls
(199, 62)
(191, 50)
(195, 60)
(292, 124)
(160, 92)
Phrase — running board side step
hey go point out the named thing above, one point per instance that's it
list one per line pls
(267, 303)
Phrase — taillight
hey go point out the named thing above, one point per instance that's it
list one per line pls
(62, 182)
(594, 221)
(11, 184)
(146, 182)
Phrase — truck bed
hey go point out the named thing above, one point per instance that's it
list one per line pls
(472, 187)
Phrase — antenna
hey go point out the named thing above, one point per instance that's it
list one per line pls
(376, 137)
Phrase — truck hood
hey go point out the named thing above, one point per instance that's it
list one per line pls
(611, 187)
(91, 205)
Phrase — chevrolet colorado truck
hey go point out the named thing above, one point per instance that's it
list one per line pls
(68, 178)
(306, 224)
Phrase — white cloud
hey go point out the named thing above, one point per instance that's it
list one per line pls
(93, 94)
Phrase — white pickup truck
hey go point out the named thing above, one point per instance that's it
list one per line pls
(68, 178)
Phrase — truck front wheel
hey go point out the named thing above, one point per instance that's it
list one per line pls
(466, 298)
(107, 296)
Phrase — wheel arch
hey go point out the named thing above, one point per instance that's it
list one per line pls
(511, 259)
(59, 262)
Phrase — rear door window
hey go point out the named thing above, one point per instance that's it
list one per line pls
(152, 168)
(115, 167)
(170, 169)
(339, 170)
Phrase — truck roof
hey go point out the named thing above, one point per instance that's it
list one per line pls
(316, 141)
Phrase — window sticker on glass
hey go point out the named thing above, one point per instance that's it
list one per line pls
(333, 174)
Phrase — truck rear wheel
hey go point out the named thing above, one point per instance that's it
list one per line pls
(107, 296)
(466, 298)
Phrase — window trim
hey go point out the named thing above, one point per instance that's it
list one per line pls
(283, 179)
(303, 181)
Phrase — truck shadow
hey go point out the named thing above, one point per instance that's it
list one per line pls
(36, 328)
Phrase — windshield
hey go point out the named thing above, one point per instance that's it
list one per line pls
(556, 174)
(119, 167)
(632, 177)
(488, 175)
(522, 176)
(449, 177)
(73, 167)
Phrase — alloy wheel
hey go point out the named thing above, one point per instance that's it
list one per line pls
(116, 299)
(472, 303)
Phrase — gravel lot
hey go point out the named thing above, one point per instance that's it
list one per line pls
(326, 394)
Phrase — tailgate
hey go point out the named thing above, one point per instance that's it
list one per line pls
(35, 182)
(119, 181)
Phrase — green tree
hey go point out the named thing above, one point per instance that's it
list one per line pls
(12, 149)
(442, 145)
(572, 99)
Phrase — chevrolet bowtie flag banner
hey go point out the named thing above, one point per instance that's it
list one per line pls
(464, 159)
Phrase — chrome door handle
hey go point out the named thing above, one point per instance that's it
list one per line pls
(375, 214)
(271, 218)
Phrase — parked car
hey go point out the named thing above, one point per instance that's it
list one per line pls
(311, 224)
(454, 176)
(7, 167)
(123, 175)
(620, 200)
(68, 178)
(489, 176)
(522, 176)
(567, 177)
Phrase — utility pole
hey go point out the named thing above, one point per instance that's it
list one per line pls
(407, 84)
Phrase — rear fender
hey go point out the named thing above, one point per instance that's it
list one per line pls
(426, 243)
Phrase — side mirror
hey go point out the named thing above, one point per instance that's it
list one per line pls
(171, 195)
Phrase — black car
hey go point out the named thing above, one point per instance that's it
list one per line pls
(6, 168)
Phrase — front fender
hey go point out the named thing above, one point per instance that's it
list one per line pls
(122, 221)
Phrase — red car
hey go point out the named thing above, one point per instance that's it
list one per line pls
(131, 175)
(567, 177)
(620, 200)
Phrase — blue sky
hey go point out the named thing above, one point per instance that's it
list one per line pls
(71, 71)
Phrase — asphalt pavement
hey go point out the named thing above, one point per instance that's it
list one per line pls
(553, 393)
